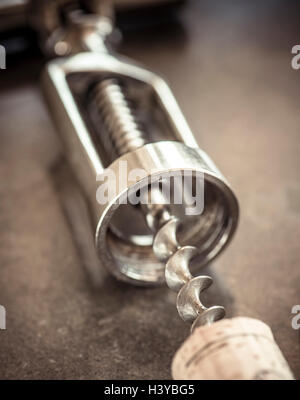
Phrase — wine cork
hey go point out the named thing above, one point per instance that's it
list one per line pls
(231, 349)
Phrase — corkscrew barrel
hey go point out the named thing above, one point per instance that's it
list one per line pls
(123, 239)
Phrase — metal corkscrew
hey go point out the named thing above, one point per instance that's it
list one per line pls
(126, 135)
(122, 126)
(111, 112)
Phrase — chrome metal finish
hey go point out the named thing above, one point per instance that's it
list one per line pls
(179, 278)
(125, 137)
(162, 241)
(130, 260)
(123, 130)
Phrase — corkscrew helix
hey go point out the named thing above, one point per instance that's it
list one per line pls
(110, 113)
(180, 279)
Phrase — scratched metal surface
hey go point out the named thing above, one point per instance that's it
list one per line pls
(229, 66)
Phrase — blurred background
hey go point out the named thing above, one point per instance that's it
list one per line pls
(229, 65)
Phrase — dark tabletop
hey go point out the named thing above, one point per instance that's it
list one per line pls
(229, 64)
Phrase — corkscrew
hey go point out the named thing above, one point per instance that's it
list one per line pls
(116, 116)
(112, 131)
(126, 136)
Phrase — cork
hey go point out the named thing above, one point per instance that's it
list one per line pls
(231, 349)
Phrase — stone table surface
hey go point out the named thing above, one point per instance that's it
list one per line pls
(229, 64)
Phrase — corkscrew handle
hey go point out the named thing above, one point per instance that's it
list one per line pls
(231, 349)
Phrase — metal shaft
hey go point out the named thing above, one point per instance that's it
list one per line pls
(122, 129)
